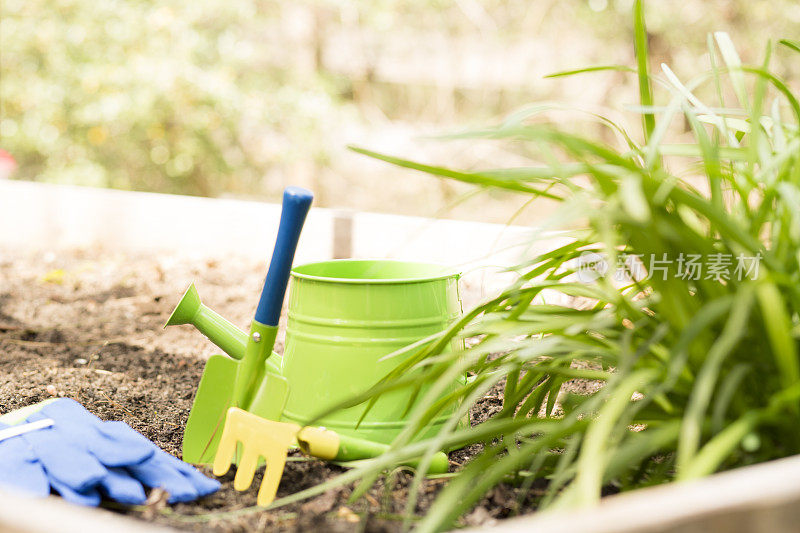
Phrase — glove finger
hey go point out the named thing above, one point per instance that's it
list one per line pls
(120, 445)
(20, 470)
(119, 486)
(112, 443)
(157, 473)
(89, 496)
(202, 483)
(63, 461)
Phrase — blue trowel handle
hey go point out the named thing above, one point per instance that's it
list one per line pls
(296, 202)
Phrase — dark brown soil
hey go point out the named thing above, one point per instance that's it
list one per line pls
(87, 325)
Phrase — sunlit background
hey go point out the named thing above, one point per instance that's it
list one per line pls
(241, 98)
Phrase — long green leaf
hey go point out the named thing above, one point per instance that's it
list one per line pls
(640, 48)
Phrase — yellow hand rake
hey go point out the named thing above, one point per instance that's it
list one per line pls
(271, 440)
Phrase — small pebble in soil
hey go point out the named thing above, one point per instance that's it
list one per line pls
(346, 514)
(51, 390)
(81, 361)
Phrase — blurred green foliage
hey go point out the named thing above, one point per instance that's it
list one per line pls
(164, 96)
(242, 98)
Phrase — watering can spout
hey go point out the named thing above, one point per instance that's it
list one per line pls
(185, 310)
(190, 310)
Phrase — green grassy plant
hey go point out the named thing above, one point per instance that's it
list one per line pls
(699, 375)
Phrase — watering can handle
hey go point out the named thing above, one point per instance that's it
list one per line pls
(296, 203)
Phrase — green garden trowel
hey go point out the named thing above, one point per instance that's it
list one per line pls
(245, 378)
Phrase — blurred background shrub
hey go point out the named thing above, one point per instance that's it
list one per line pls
(240, 98)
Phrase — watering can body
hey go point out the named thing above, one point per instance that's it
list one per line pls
(344, 318)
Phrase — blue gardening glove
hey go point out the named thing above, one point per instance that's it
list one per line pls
(78, 450)
(85, 458)
(132, 461)
(20, 469)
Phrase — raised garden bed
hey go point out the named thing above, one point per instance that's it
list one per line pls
(86, 322)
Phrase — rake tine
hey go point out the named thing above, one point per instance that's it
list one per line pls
(225, 450)
(246, 470)
(272, 478)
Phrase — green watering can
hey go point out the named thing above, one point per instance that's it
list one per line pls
(344, 316)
